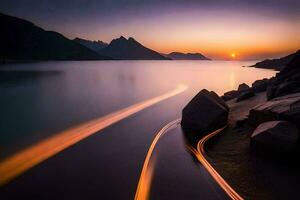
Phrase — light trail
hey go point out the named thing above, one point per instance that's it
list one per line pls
(143, 189)
(200, 155)
(20, 162)
(144, 184)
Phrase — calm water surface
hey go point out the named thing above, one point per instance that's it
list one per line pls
(38, 106)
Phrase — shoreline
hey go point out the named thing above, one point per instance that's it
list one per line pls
(257, 152)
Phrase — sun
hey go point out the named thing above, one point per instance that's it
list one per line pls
(233, 55)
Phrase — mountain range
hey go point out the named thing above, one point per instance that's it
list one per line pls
(186, 56)
(93, 45)
(22, 40)
(124, 49)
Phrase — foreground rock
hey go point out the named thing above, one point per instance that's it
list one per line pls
(281, 108)
(204, 113)
(279, 136)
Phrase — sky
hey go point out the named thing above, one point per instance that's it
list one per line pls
(250, 29)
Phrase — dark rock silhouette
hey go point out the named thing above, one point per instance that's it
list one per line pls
(277, 64)
(230, 95)
(205, 112)
(22, 40)
(280, 108)
(245, 95)
(287, 81)
(93, 45)
(187, 56)
(242, 87)
(243, 92)
(260, 85)
(130, 49)
(279, 136)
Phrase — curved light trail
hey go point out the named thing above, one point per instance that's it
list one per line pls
(20, 162)
(143, 189)
(144, 184)
(200, 155)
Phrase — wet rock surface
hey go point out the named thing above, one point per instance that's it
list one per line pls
(204, 113)
(281, 108)
(275, 136)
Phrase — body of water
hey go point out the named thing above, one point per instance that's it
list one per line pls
(41, 99)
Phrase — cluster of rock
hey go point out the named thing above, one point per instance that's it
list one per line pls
(278, 119)
(206, 112)
(276, 122)
(287, 81)
(245, 92)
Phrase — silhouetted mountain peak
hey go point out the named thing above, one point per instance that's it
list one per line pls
(187, 56)
(122, 38)
(22, 40)
(93, 45)
(130, 49)
(131, 39)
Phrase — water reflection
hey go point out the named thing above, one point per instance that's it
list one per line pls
(36, 108)
(17, 76)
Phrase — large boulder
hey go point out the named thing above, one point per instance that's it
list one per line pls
(279, 136)
(281, 108)
(204, 113)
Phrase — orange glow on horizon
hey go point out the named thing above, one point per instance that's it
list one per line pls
(213, 34)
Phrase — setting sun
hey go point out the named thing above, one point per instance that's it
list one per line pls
(232, 55)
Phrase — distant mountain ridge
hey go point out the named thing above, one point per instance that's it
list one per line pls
(22, 40)
(129, 49)
(277, 64)
(93, 45)
(187, 56)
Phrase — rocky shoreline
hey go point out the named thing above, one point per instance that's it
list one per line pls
(257, 153)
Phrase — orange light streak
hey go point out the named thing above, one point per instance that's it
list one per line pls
(200, 155)
(144, 185)
(22, 161)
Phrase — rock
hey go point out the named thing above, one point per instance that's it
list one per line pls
(242, 87)
(219, 100)
(280, 136)
(287, 81)
(230, 95)
(280, 108)
(260, 85)
(271, 90)
(245, 95)
(204, 113)
(287, 88)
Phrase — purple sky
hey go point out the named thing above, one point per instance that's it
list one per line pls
(249, 28)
